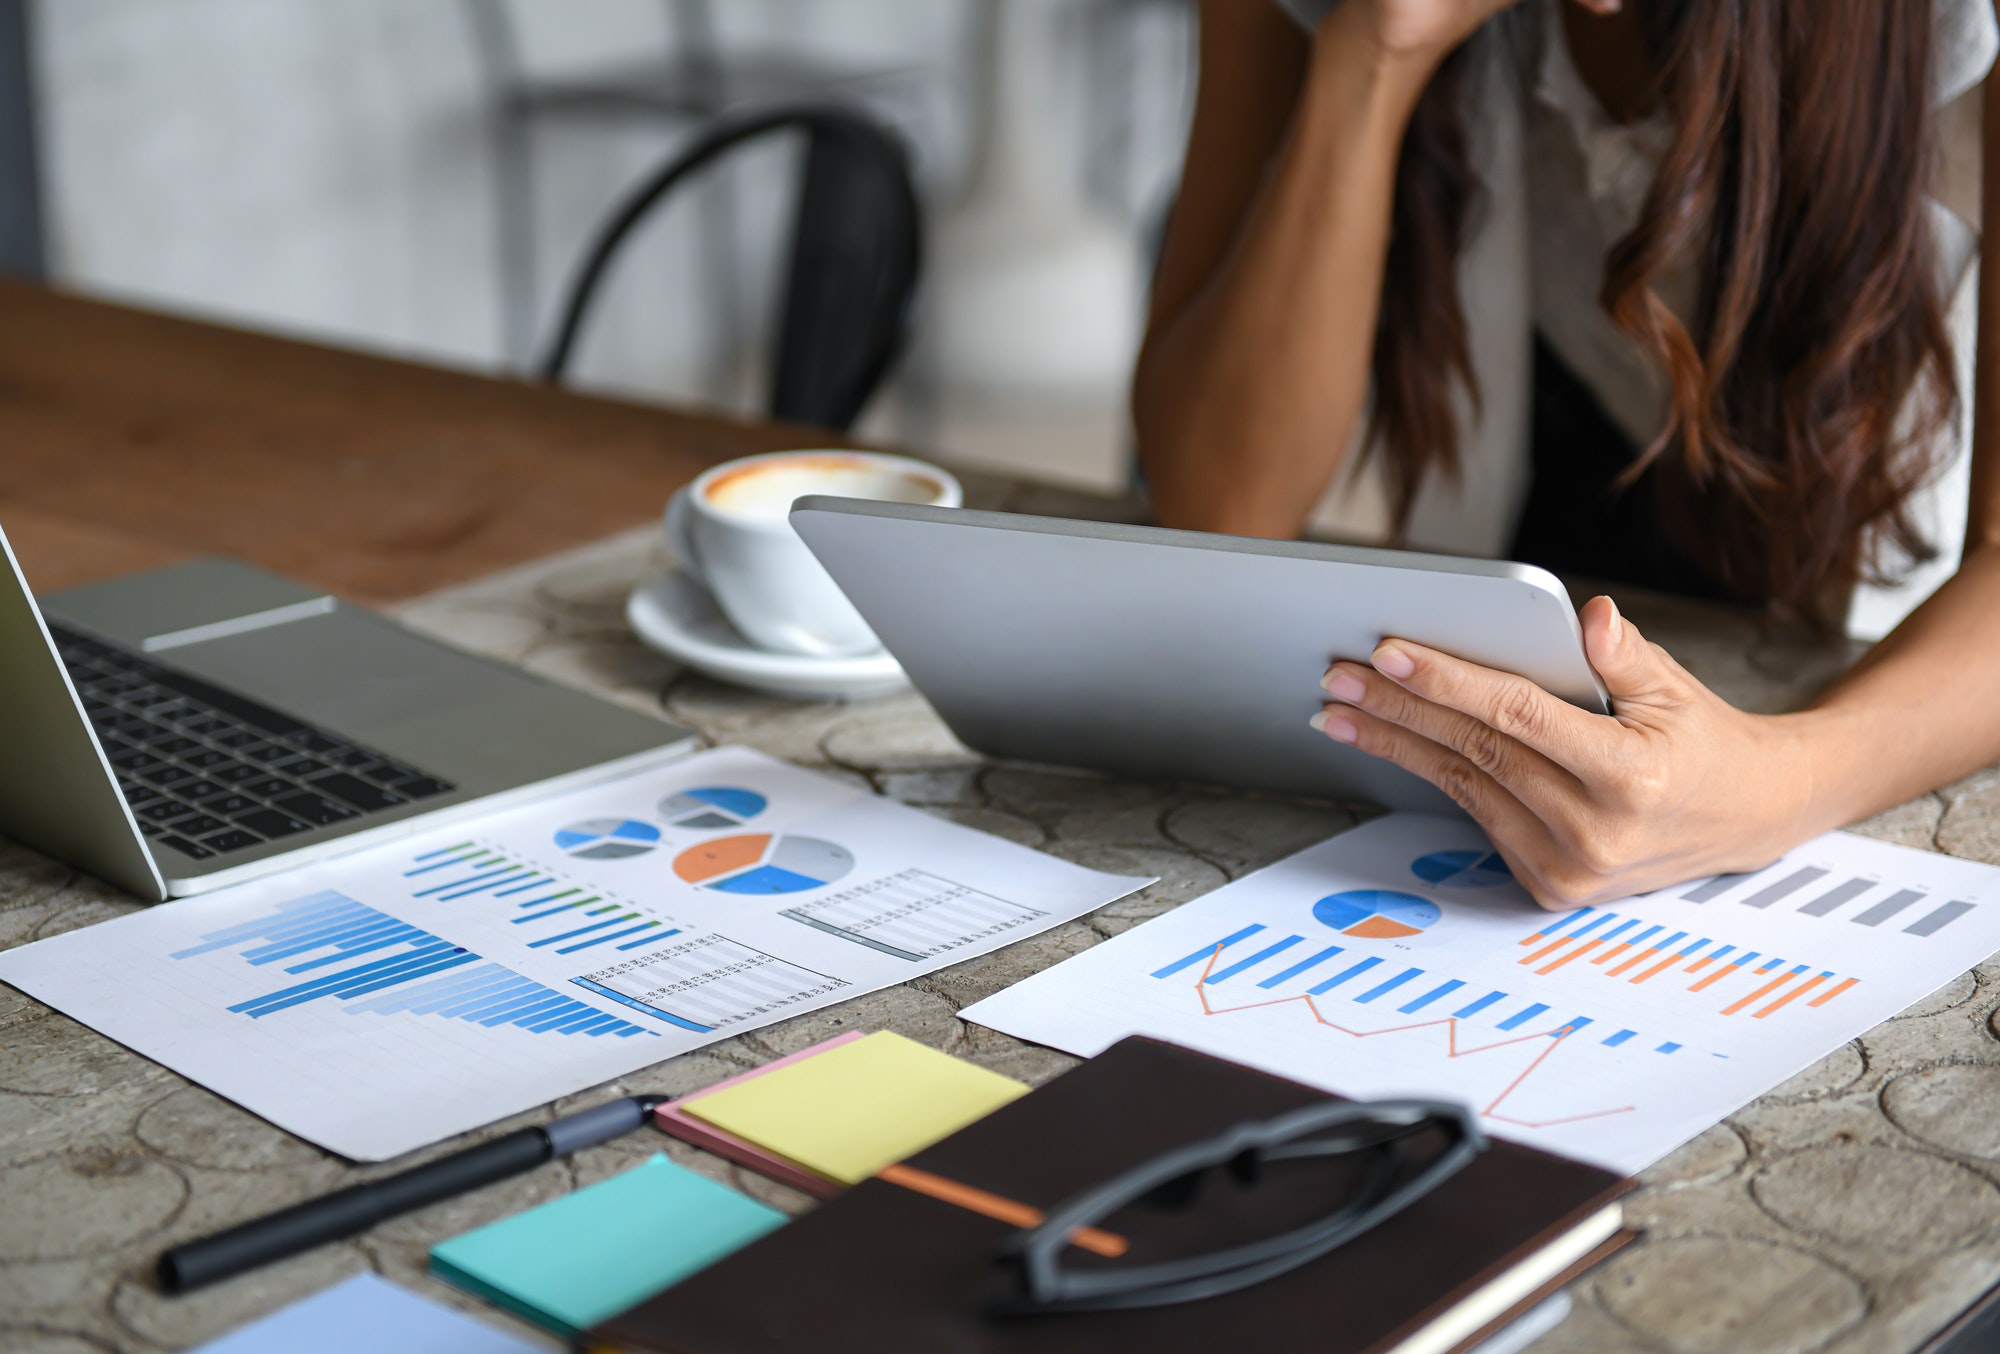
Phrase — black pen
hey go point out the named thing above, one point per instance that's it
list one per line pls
(359, 1207)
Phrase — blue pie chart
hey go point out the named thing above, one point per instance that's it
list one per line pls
(608, 838)
(763, 863)
(1462, 869)
(1376, 914)
(709, 807)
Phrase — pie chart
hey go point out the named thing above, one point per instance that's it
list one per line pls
(608, 838)
(763, 864)
(1376, 914)
(711, 807)
(1462, 869)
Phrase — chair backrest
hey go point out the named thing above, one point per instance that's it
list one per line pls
(855, 255)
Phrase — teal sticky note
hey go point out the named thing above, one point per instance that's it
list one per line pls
(577, 1260)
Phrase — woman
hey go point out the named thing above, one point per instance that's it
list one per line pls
(1652, 294)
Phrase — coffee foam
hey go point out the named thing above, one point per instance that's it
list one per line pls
(765, 493)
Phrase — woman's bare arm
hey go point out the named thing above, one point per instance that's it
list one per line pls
(1921, 709)
(1255, 368)
(1677, 784)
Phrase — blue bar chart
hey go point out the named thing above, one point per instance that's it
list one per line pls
(1636, 952)
(1252, 956)
(418, 986)
(563, 916)
(340, 950)
(1609, 1032)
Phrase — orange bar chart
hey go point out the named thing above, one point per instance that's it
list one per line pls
(1765, 990)
(1793, 995)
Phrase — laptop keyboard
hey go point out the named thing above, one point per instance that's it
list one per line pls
(208, 772)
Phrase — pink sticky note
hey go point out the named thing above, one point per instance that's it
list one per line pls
(672, 1119)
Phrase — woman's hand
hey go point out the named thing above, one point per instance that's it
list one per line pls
(1424, 29)
(1585, 807)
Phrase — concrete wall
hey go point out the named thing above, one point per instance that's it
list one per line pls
(326, 169)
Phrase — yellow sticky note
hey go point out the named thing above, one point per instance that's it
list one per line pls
(854, 1109)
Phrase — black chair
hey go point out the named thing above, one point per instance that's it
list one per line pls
(854, 260)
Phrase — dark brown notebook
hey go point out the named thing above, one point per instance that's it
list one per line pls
(886, 1268)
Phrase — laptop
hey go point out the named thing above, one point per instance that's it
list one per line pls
(195, 726)
(1177, 654)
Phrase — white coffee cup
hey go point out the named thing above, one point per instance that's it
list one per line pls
(733, 535)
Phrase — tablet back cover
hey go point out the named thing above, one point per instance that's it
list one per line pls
(1174, 654)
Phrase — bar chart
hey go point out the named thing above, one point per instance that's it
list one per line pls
(1443, 1033)
(1610, 1033)
(1820, 891)
(424, 985)
(1268, 962)
(328, 934)
(709, 982)
(564, 916)
(914, 915)
(1638, 952)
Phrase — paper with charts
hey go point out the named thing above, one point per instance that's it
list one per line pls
(1401, 958)
(411, 991)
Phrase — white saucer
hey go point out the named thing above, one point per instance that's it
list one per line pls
(676, 616)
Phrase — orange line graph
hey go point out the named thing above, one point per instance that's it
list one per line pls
(1555, 1038)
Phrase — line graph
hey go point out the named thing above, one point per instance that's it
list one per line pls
(1611, 1033)
(1371, 981)
(1555, 1039)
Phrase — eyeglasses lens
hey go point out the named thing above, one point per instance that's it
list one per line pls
(1256, 1196)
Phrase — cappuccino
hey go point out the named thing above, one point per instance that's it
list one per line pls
(733, 535)
(764, 490)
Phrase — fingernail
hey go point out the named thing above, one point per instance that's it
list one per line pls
(1393, 662)
(1335, 726)
(1615, 631)
(1343, 686)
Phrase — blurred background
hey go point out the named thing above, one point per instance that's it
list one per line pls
(423, 180)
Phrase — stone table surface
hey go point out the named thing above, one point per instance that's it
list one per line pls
(1855, 1208)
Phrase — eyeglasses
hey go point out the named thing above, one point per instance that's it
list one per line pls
(1375, 1136)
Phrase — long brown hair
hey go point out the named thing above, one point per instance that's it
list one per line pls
(1795, 176)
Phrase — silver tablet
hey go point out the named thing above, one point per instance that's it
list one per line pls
(1180, 654)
